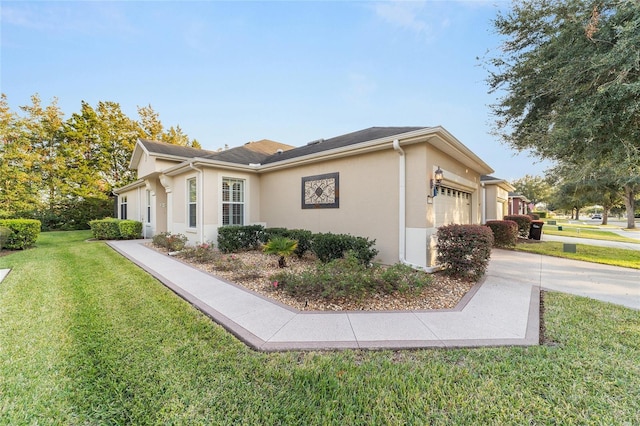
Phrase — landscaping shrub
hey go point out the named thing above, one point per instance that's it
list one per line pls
(201, 253)
(105, 229)
(534, 216)
(169, 241)
(239, 238)
(524, 223)
(281, 247)
(541, 215)
(328, 247)
(24, 233)
(464, 250)
(349, 277)
(505, 232)
(130, 229)
(302, 236)
(269, 233)
(4, 235)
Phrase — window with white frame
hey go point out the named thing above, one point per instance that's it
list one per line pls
(148, 206)
(123, 207)
(232, 201)
(191, 202)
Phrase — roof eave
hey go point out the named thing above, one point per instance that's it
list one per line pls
(197, 162)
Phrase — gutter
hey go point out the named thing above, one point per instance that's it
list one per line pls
(483, 218)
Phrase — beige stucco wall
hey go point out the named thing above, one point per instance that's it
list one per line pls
(149, 164)
(209, 210)
(368, 199)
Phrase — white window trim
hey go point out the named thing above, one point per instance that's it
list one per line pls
(123, 202)
(189, 202)
(245, 203)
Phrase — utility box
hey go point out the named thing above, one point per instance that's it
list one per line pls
(569, 248)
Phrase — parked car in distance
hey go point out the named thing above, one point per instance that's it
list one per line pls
(596, 216)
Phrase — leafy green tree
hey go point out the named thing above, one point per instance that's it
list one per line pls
(44, 134)
(569, 73)
(535, 188)
(150, 125)
(19, 190)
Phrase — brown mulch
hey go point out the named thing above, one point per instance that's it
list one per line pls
(257, 268)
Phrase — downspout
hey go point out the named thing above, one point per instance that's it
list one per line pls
(200, 219)
(402, 206)
(483, 217)
(402, 191)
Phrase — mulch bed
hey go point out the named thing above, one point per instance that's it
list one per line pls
(254, 275)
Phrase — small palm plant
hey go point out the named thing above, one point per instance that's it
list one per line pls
(280, 246)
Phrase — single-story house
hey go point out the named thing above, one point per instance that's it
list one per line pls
(518, 204)
(495, 198)
(396, 185)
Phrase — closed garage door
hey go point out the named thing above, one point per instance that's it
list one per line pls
(452, 206)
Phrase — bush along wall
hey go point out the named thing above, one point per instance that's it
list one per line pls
(505, 232)
(464, 250)
(115, 229)
(326, 246)
(24, 233)
(524, 223)
(236, 238)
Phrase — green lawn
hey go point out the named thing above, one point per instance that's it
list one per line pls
(88, 338)
(588, 253)
(587, 232)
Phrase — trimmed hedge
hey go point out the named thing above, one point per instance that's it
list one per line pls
(4, 234)
(524, 223)
(328, 247)
(105, 229)
(130, 229)
(236, 238)
(24, 233)
(464, 250)
(505, 232)
(541, 215)
(115, 229)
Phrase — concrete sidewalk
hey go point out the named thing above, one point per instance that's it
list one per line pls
(503, 309)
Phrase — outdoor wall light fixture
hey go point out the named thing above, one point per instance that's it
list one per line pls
(438, 175)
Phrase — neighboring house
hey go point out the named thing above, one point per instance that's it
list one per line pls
(376, 183)
(495, 198)
(518, 203)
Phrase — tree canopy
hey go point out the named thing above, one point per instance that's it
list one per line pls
(569, 79)
(63, 171)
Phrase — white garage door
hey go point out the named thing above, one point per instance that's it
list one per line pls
(452, 206)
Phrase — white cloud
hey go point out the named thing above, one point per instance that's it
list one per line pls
(403, 14)
(87, 17)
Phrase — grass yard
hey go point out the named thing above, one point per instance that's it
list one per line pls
(585, 232)
(88, 338)
(588, 253)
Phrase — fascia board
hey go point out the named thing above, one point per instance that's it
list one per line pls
(501, 183)
(179, 168)
(459, 151)
(138, 150)
(132, 185)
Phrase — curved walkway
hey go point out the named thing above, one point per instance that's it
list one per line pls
(503, 309)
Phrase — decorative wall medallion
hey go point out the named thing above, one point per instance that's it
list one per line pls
(321, 191)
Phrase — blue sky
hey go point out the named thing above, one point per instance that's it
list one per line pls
(233, 72)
